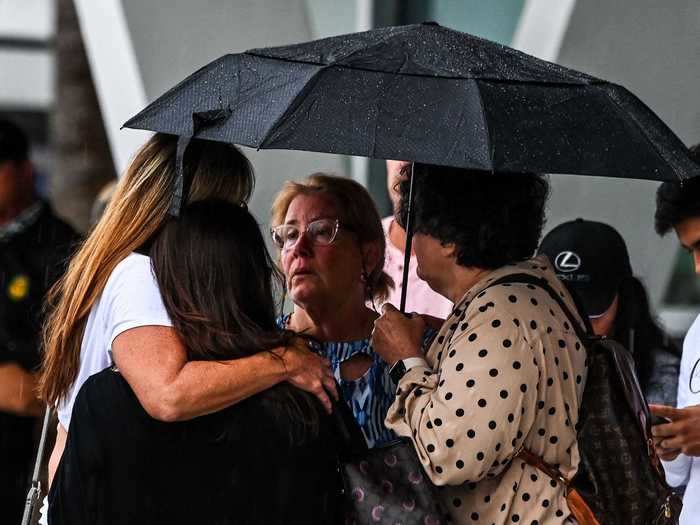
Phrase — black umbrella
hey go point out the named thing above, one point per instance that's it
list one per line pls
(422, 93)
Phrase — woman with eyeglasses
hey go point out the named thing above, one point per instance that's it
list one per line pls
(331, 244)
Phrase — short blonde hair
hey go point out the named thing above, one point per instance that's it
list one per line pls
(355, 208)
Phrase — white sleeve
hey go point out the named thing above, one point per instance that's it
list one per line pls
(44, 511)
(678, 470)
(132, 298)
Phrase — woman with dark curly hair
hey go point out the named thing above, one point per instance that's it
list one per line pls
(506, 372)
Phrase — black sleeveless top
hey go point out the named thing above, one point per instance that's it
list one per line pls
(120, 466)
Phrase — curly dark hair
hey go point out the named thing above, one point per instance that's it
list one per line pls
(493, 218)
(677, 201)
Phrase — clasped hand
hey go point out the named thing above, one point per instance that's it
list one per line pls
(397, 336)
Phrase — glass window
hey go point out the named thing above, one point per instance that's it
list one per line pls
(492, 20)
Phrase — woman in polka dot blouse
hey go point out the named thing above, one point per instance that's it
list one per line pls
(506, 370)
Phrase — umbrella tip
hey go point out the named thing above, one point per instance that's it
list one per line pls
(430, 23)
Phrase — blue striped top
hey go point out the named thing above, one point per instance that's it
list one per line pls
(370, 396)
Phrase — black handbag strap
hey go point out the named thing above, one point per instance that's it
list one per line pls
(350, 440)
(35, 493)
(582, 332)
(621, 358)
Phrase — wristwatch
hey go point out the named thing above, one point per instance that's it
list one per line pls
(401, 367)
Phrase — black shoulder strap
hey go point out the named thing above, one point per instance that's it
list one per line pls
(33, 501)
(582, 332)
(350, 441)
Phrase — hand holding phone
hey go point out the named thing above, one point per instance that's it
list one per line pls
(659, 420)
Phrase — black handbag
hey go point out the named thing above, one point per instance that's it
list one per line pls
(619, 478)
(385, 484)
(620, 474)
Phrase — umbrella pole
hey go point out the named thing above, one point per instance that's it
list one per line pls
(409, 241)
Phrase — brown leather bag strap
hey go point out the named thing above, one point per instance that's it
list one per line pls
(582, 332)
(539, 463)
(578, 507)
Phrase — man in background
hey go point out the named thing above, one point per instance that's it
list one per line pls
(34, 246)
(420, 298)
(678, 442)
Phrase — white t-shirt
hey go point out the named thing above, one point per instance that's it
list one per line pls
(130, 299)
(685, 470)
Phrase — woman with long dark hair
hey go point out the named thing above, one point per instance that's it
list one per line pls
(107, 309)
(268, 459)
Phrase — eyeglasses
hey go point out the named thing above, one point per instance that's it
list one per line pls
(321, 232)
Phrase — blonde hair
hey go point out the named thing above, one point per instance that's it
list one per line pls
(137, 210)
(356, 209)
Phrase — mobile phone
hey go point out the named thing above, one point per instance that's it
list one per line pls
(659, 420)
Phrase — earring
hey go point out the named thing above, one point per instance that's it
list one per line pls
(364, 276)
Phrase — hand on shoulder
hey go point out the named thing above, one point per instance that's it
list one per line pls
(308, 371)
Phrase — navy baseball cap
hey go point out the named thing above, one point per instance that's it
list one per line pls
(591, 259)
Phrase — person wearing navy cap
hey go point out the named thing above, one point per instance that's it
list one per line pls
(591, 258)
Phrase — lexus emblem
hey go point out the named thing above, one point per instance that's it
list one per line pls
(567, 262)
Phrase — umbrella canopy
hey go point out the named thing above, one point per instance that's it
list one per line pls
(422, 93)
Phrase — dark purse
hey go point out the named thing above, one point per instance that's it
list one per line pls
(385, 484)
(620, 480)
(627, 486)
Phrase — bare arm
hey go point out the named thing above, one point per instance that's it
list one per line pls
(57, 451)
(17, 391)
(154, 362)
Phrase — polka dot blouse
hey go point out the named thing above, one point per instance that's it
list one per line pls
(506, 370)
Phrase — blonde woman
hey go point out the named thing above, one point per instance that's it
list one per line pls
(108, 310)
(332, 248)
